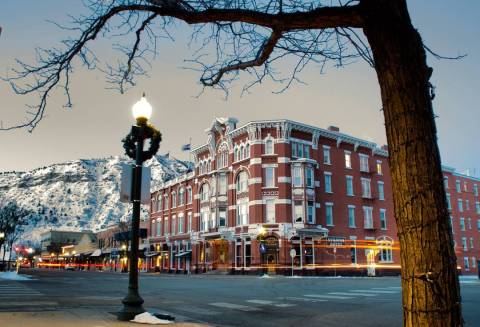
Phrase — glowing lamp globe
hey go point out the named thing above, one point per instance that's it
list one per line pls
(142, 110)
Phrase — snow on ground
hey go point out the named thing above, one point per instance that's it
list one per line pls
(11, 275)
(148, 318)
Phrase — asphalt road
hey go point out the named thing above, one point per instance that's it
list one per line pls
(227, 300)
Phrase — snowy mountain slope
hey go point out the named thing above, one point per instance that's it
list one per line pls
(79, 194)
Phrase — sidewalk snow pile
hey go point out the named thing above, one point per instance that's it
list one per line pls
(11, 275)
(148, 318)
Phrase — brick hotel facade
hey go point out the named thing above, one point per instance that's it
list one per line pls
(260, 190)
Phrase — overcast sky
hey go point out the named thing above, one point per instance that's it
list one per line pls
(347, 97)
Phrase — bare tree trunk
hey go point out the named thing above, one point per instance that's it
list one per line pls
(431, 292)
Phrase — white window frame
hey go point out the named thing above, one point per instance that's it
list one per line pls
(379, 167)
(349, 186)
(364, 163)
(367, 217)
(310, 218)
(269, 179)
(383, 221)
(309, 171)
(351, 216)
(366, 188)
(381, 190)
(348, 159)
(327, 160)
(297, 176)
(269, 145)
(329, 220)
(328, 186)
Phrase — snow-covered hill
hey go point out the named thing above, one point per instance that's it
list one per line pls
(80, 194)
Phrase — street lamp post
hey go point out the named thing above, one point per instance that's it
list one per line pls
(133, 144)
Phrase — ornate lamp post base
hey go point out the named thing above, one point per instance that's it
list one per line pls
(132, 306)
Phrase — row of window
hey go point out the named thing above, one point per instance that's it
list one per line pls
(462, 224)
(177, 227)
(160, 203)
(367, 216)
(460, 204)
(466, 263)
(465, 245)
(458, 186)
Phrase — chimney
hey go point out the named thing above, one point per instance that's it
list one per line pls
(333, 128)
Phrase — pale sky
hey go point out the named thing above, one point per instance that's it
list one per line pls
(347, 97)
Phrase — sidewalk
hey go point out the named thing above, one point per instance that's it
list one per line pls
(74, 318)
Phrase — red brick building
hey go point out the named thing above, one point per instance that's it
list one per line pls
(266, 188)
(464, 204)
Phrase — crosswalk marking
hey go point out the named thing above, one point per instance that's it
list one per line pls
(234, 306)
(284, 305)
(334, 297)
(350, 294)
(375, 291)
(29, 303)
(260, 301)
(21, 296)
(302, 299)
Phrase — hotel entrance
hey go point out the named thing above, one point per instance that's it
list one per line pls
(269, 249)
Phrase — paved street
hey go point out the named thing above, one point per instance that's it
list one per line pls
(226, 300)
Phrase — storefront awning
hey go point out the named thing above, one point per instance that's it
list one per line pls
(183, 254)
(97, 253)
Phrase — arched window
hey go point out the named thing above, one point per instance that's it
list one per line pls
(181, 197)
(269, 146)
(242, 182)
(385, 245)
(165, 197)
(248, 151)
(242, 152)
(159, 202)
(174, 199)
(236, 156)
(204, 190)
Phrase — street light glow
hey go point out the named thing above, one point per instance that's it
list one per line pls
(142, 109)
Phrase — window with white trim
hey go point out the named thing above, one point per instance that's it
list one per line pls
(174, 199)
(269, 177)
(329, 214)
(297, 176)
(368, 217)
(190, 218)
(469, 223)
(366, 190)
(269, 146)
(174, 224)
(310, 212)
(477, 207)
(181, 221)
(385, 249)
(204, 216)
(449, 202)
(328, 182)
(379, 167)
(165, 197)
(213, 220)
(242, 212)
(222, 184)
(467, 205)
(474, 262)
(458, 186)
(242, 182)
(189, 195)
(460, 205)
(326, 155)
(204, 192)
(298, 209)
(270, 211)
(309, 177)
(475, 189)
(364, 166)
(445, 182)
(222, 217)
(348, 159)
(159, 227)
(351, 216)
(381, 191)
(464, 244)
(181, 197)
(383, 219)
(462, 224)
(471, 243)
(349, 185)
(166, 227)
(466, 263)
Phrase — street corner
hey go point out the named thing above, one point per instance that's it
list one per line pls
(78, 318)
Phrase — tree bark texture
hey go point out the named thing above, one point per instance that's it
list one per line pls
(431, 292)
